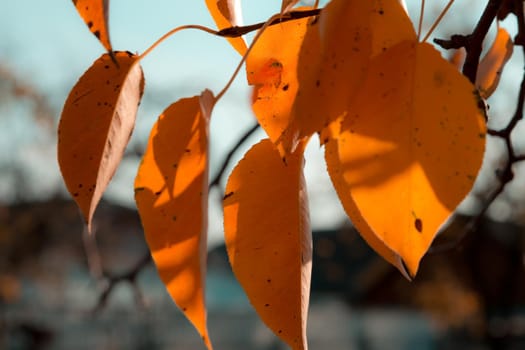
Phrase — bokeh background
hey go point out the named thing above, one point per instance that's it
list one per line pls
(468, 295)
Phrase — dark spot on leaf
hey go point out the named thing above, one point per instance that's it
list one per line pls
(106, 66)
(266, 305)
(184, 309)
(158, 193)
(97, 34)
(187, 150)
(269, 280)
(381, 12)
(227, 195)
(174, 218)
(90, 24)
(285, 88)
(419, 225)
(75, 194)
(318, 83)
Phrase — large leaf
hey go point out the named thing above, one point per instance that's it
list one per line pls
(95, 127)
(408, 150)
(492, 64)
(171, 190)
(271, 68)
(334, 58)
(95, 13)
(268, 238)
(227, 13)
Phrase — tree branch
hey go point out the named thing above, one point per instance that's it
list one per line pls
(473, 43)
(217, 179)
(233, 32)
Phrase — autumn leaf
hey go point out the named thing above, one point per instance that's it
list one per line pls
(271, 68)
(171, 192)
(332, 66)
(95, 13)
(95, 127)
(492, 64)
(408, 150)
(227, 13)
(268, 238)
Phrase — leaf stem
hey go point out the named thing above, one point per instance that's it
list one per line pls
(421, 15)
(173, 31)
(440, 17)
(243, 59)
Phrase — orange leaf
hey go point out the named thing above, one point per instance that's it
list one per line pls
(268, 238)
(95, 127)
(227, 13)
(171, 191)
(95, 14)
(408, 150)
(492, 64)
(335, 56)
(272, 68)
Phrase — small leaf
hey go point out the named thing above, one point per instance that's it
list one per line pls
(271, 68)
(95, 13)
(268, 238)
(408, 150)
(492, 64)
(228, 13)
(95, 127)
(171, 192)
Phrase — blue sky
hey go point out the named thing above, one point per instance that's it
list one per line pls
(47, 44)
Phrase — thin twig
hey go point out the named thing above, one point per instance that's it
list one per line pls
(111, 281)
(473, 43)
(217, 179)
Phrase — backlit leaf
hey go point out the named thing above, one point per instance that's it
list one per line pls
(492, 64)
(228, 13)
(95, 14)
(408, 150)
(271, 68)
(171, 192)
(95, 127)
(268, 238)
(335, 56)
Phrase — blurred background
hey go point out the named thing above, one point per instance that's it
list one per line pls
(469, 294)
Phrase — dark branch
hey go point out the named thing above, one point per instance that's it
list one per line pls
(111, 281)
(217, 179)
(233, 32)
(473, 43)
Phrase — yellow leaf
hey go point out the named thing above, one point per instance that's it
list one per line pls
(95, 14)
(268, 238)
(171, 192)
(408, 150)
(271, 68)
(334, 58)
(227, 13)
(492, 64)
(95, 127)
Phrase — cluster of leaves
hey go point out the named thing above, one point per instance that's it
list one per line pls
(403, 132)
